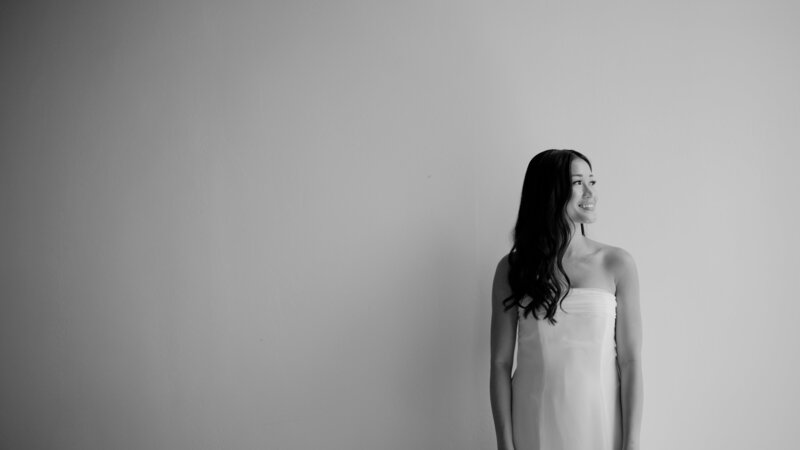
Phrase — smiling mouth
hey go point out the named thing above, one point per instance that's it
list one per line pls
(587, 206)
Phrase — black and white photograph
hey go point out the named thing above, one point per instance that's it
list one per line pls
(385, 225)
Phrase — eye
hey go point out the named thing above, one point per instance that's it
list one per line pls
(594, 182)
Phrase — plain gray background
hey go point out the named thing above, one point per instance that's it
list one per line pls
(253, 225)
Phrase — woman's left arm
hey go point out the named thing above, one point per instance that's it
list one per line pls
(629, 347)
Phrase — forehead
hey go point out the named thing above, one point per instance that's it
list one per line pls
(579, 167)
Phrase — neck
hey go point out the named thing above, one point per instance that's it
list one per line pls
(578, 244)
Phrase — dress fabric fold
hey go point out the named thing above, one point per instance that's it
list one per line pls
(565, 388)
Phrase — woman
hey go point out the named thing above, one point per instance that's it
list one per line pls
(578, 380)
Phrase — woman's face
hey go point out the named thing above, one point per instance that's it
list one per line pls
(580, 208)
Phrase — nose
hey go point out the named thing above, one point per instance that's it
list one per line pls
(588, 191)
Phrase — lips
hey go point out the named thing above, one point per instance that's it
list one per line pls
(586, 206)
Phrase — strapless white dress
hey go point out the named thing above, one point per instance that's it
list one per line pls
(565, 389)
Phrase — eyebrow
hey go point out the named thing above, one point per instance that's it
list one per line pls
(580, 175)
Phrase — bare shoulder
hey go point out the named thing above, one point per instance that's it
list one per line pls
(621, 264)
(501, 276)
(503, 261)
(609, 255)
(618, 258)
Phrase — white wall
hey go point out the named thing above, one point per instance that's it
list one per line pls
(275, 225)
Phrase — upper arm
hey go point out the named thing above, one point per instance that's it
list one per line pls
(504, 323)
(629, 317)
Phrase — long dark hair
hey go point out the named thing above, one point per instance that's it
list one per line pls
(542, 234)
